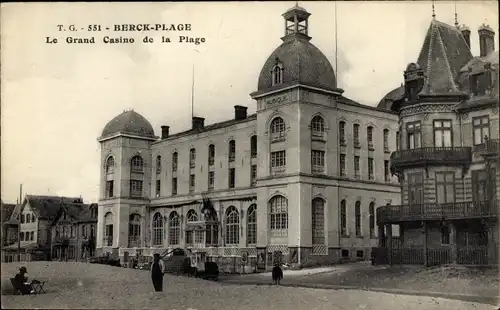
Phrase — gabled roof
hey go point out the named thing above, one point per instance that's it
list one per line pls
(78, 212)
(443, 54)
(7, 210)
(48, 207)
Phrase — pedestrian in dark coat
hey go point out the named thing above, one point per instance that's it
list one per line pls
(277, 274)
(157, 269)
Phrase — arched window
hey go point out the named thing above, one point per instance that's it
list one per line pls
(175, 158)
(277, 74)
(110, 164)
(277, 128)
(343, 218)
(318, 221)
(192, 216)
(232, 150)
(134, 231)
(211, 154)
(252, 224)
(157, 229)
(192, 158)
(357, 218)
(278, 207)
(108, 229)
(174, 228)
(158, 164)
(317, 125)
(253, 146)
(137, 163)
(232, 226)
(371, 211)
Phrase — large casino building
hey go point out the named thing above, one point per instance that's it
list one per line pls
(299, 179)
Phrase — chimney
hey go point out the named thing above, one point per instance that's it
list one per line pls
(466, 33)
(198, 123)
(240, 112)
(164, 132)
(486, 40)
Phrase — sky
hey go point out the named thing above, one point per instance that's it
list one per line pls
(57, 98)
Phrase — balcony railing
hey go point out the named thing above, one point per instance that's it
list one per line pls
(430, 156)
(436, 211)
(134, 242)
(490, 147)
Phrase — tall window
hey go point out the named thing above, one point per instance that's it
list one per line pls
(108, 229)
(386, 140)
(369, 136)
(415, 188)
(137, 163)
(277, 74)
(134, 231)
(252, 224)
(192, 158)
(413, 135)
(278, 159)
(342, 165)
(445, 187)
(157, 229)
(387, 173)
(211, 180)
(370, 169)
(357, 218)
(109, 189)
(175, 158)
(278, 207)
(253, 146)
(355, 130)
(232, 150)
(277, 129)
(318, 161)
(158, 188)
(174, 228)
(135, 188)
(371, 211)
(232, 177)
(481, 186)
(342, 133)
(318, 221)
(232, 226)
(481, 127)
(211, 154)
(192, 183)
(442, 133)
(397, 140)
(253, 175)
(317, 126)
(191, 217)
(174, 186)
(158, 164)
(343, 218)
(356, 167)
(110, 164)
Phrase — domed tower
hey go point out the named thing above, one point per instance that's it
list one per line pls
(124, 179)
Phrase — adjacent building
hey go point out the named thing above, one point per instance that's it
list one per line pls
(297, 181)
(447, 154)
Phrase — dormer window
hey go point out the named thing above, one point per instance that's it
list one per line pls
(277, 73)
(479, 83)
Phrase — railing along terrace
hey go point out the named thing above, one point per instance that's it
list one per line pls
(431, 155)
(488, 147)
(437, 211)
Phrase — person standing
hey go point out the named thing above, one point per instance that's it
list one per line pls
(157, 269)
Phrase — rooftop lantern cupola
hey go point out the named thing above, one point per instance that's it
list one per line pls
(296, 24)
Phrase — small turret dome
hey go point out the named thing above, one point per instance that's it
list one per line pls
(129, 122)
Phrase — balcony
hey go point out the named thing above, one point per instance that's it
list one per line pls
(430, 156)
(436, 211)
(488, 148)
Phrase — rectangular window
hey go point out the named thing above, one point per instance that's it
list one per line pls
(480, 186)
(192, 183)
(355, 129)
(174, 186)
(387, 172)
(342, 165)
(109, 189)
(135, 188)
(158, 188)
(22, 218)
(356, 167)
(343, 218)
(318, 161)
(278, 159)
(253, 146)
(479, 83)
(414, 135)
(232, 177)
(192, 158)
(371, 214)
(357, 215)
(342, 133)
(443, 133)
(253, 175)
(108, 235)
(211, 155)
(28, 218)
(416, 188)
(369, 135)
(175, 158)
(445, 187)
(481, 127)
(21, 236)
(211, 180)
(386, 140)
(232, 150)
(370, 169)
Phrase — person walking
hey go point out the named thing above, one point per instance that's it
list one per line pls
(157, 269)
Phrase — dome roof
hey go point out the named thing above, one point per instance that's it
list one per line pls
(302, 62)
(129, 122)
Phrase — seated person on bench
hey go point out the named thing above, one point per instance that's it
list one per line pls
(22, 283)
